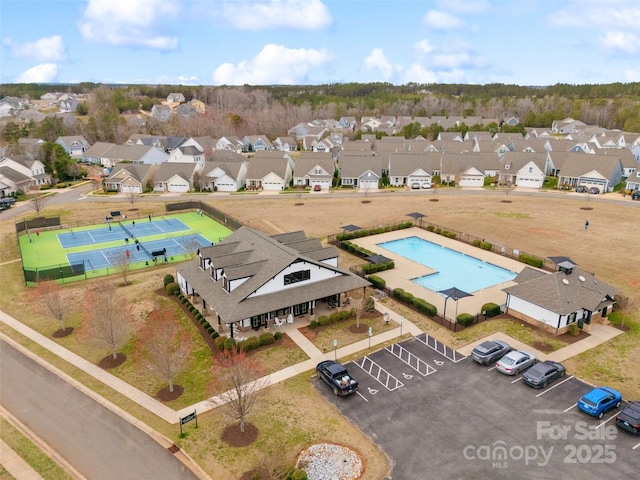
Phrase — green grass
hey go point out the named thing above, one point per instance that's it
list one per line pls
(30, 453)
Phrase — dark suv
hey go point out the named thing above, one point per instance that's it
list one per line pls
(581, 189)
(635, 195)
(629, 418)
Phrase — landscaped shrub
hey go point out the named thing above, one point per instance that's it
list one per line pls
(377, 267)
(210, 330)
(199, 317)
(252, 343)
(491, 309)
(324, 320)
(425, 307)
(299, 475)
(531, 260)
(369, 305)
(465, 319)
(449, 234)
(205, 324)
(266, 338)
(214, 334)
(486, 245)
(574, 329)
(172, 288)
(313, 325)
(430, 228)
(168, 278)
(184, 300)
(229, 344)
(377, 282)
(219, 342)
(180, 297)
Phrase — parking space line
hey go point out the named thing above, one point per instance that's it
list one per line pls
(605, 422)
(492, 368)
(383, 377)
(633, 448)
(556, 385)
(572, 406)
(362, 396)
(517, 380)
(441, 348)
(410, 359)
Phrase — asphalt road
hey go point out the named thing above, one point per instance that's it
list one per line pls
(97, 442)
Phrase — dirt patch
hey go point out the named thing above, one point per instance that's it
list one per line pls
(623, 328)
(165, 395)
(505, 201)
(61, 333)
(234, 437)
(569, 339)
(109, 362)
(358, 328)
(434, 200)
(586, 208)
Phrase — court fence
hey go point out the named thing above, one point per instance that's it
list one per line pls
(78, 271)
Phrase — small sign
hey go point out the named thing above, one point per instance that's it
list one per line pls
(116, 213)
(370, 331)
(335, 343)
(188, 418)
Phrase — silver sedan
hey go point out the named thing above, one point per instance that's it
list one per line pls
(515, 362)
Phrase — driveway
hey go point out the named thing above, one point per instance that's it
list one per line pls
(434, 410)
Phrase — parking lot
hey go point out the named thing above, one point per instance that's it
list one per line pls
(438, 414)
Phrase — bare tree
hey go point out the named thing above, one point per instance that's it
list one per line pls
(109, 320)
(132, 196)
(38, 202)
(243, 386)
(54, 301)
(123, 265)
(167, 347)
(362, 305)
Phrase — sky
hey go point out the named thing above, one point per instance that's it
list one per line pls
(312, 42)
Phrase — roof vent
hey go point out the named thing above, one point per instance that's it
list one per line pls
(581, 278)
(565, 281)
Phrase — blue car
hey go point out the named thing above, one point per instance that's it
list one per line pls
(599, 401)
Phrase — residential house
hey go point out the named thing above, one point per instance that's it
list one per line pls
(249, 279)
(175, 98)
(186, 110)
(312, 170)
(50, 96)
(229, 142)
(188, 154)
(206, 144)
(271, 174)
(313, 134)
(555, 301)
(176, 177)
(568, 125)
(405, 169)
(256, 143)
(161, 113)
(360, 171)
(224, 176)
(74, 145)
(130, 177)
(15, 181)
(523, 169)
(109, 154)
(10, 106)
(348, 123)
(68, 103)
(32, 146)
(633, 181)
(601, 171)
(286, 144)
(27, 166)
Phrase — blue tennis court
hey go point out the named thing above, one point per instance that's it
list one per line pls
(109, 257)
(115, 231)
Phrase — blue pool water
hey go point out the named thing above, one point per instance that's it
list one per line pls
(454, 269)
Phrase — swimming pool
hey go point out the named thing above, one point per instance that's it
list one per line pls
(453, 269)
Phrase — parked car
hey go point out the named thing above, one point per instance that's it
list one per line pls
(599, 401)
(317, 188)
(594, 190)
(635, 195)
(415, 185)
(337, 377)
(629, 418)
(490, 351)
(543, 373)
(426, 185)
(516, 361)
(581, 189)
(8, 200)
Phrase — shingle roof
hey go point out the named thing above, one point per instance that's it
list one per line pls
(258, 258)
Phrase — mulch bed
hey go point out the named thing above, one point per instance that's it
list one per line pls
(312, 333)
(234, 437)
(62, 333)
(586, 208)
(164, 395)
(109, 362)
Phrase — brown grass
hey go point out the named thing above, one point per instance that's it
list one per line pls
(295, 415)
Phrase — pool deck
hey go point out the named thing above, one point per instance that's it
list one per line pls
(405, 270)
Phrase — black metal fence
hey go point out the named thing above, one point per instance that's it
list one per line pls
(212, 212)
(37, 223)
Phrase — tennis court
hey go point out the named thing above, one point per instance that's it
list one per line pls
(101, 249)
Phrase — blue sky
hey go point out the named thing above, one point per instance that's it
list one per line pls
(260, 42)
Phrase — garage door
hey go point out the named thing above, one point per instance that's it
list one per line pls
(528, 182)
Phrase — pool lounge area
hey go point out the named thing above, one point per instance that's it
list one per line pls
(406, 271)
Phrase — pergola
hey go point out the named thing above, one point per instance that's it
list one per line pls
(417, 216)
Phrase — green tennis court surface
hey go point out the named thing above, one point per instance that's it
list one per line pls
(99, 250)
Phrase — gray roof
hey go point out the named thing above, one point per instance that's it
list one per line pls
(579, 164)
(231, 169)
(305, 165)
(137, 170)
(258, 258)
(551, 292)
(261, 167)
(14, 175)
(167, 170)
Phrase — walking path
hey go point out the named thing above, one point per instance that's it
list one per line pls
(599, 334)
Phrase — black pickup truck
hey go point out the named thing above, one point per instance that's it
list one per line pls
(337, 377)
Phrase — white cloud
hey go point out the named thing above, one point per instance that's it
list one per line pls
(270, 14)
(620, 15)
(43, 49)
(441, 20)
(465, 7)
(632, 75)
(627, 43)
(274, 65)
(418, 74)
(377, 60)
(138, 23)
(423, 47)
(45, 72)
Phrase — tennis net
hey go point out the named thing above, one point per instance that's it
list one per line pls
(125, 228)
